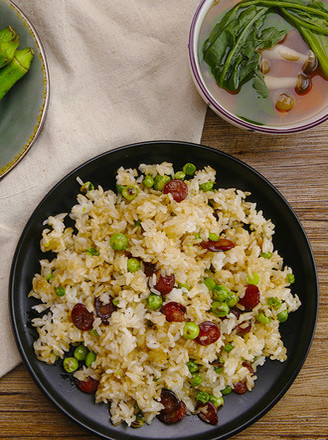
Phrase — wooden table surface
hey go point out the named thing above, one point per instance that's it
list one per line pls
(298, 166)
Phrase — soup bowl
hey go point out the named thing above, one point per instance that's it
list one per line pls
(218, 99)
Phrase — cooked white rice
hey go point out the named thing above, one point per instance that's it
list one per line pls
(140, 352)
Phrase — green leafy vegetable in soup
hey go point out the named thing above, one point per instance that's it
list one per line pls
(247, 40)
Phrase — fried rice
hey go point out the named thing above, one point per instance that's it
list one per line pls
(140, 352)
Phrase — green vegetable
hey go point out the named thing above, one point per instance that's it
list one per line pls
(220, 309)
(189, 168)
(192, 366)
(92, 251)
(186, 286)
(15, 70)
(274, 302)
(231, 50)
(89, 360)
(130, 192)
(119, 188)
(197, 236)
(9, 42)
(266, 255)
(209, 283)
(70, 364)
(138, 422)
(232, 299)
(160, 182)
(48, 277)
(87, 186)
(115, 301)
(133, 265)
(154, 301)
(217, 401)
(290, 278)
(227, 390)
(148, 181)
(228, 348)
(190, 330)
(60, 291)
(213, 237)
(218, 370)
(202, 396)
(180, 175)
(196, 379)
(220, 293)
(254, 279)
(80, 352)
(262, 318)
(283, 316)
(207, 186)
(119, 241)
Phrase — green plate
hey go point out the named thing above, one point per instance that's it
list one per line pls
(23, 109)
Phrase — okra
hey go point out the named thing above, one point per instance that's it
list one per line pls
(9, 42)
(15, 70)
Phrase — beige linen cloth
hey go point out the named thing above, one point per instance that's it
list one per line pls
(119, 74)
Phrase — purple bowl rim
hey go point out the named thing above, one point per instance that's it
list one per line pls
(213, 103)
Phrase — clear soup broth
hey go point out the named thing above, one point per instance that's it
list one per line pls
(245, 102)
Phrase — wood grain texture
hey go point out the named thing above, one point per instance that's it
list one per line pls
(298, 166)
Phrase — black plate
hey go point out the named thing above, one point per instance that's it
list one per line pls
(274, 378)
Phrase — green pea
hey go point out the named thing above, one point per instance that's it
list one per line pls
(115, 301)
(232, 299)
(283, 316)
(192, 366)
(217, 401)
(254, 279)
(89, 360)
(87, 186)
(190, 330)
(213, 237)
(180, 175)
(130, 192)
(218, 370)
(274, 302)
(70, 364)
(209, 283)
(202, 396)
(119, 241)
(227, 390)
(186, 286)
(119, 188)
(220, 309)
(266, 255)
(228, 348)
(148, 181)
(290, 278)
(48, 277)
(189, 168)
(161, 181)
(220, 293)
(196, 379)
(262, 318)
(80, 352)
(207, 186)
(154, 301)
(92, 251)
(133, 265)
(60, 291)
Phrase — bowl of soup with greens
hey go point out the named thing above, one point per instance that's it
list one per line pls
(262, 64)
